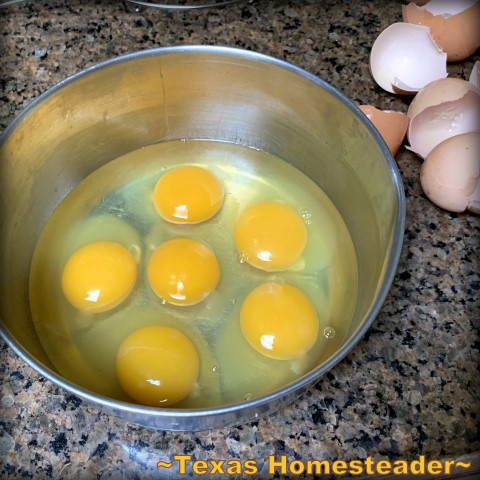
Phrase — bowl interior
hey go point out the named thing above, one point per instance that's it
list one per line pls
(194, 93)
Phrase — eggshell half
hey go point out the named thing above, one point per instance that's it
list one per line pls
(391, 125)
(474, 78)
(404, 58)
(441, 110)
(450, 176)
(437, 92)
(457, 34)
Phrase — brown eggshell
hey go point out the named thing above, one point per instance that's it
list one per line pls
(450, 175)
(391, 125)
(443, 109)
(440, 91)
(457, 35)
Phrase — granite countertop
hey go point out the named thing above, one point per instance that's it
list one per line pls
(409, 388)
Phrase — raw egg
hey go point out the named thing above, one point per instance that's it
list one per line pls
(270, 236)
(183, 271)
(99, 276)
(178, 280)
(188, 194)
(391, 125)
(248, 373)
(279, 321)
(157, 365)
(450, 175)
(96, 368)
(454, 25)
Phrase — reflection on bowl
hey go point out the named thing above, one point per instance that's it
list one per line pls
(177, 5)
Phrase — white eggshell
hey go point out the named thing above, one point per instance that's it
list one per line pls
(435, 124)
(441, 110)
(450, 175)
(448, 7)
(474, 78)
(404, 58)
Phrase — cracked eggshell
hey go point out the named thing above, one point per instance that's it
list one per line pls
(419, 2)
(404, 58)
(391, 125)
(450, 175)
(474, 78)
(443, 109)
(454, 25)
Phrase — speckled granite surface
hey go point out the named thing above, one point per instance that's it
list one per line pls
(410, 386)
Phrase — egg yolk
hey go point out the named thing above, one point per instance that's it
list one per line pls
(270, 236)
(99, 276)
(157, 365)
(279, 321)
(188, 195)
(183, 271)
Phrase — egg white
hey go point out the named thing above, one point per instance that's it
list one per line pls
(115, 204)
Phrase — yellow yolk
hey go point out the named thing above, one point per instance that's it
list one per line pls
(188, 195)
(99, 276)
(279, 321)
(183, 271)
(157, 365)
(270, 236)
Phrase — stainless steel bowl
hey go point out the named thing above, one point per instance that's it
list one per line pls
(188, 93)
